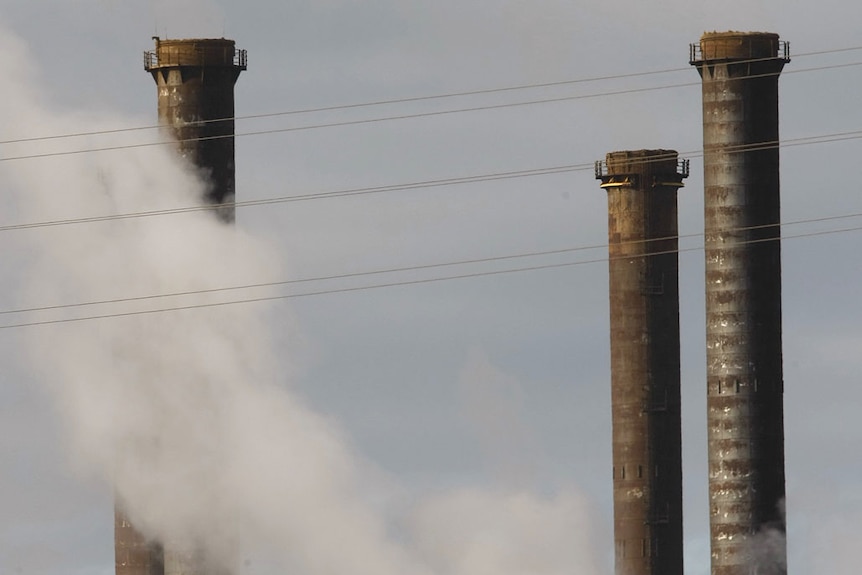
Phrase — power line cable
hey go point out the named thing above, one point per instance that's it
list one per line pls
(310, 196)
(417, 115)
(401, 283)
(433, 97)
(758, 146)
(351, 275)
(344, 123)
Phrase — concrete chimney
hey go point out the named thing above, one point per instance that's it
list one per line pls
(743, 296)
(195, 80)
(645, 375)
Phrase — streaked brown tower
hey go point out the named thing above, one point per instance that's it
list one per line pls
(645, 371)
(195, 80)
(743, 297)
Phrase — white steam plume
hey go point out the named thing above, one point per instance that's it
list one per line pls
(492, 405)
(768, 547)
(185, 413)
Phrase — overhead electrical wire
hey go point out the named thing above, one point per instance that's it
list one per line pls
(344, 123)
(759, 146)
(448, 95)
(414, 185)
(335, 124)
(421, 267)
(310, 196)
(415, 115)
(352, 275)
(400, 283)
(339, 107)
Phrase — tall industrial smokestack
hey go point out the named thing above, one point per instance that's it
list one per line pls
(645, 373)
(743, 295)
(195, 80)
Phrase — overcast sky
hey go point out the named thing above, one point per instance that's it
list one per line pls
(492, 386)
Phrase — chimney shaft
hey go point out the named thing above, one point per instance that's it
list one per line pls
(743, 295)
(645, 380)
(195, 80)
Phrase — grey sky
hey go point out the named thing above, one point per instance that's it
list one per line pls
(401, 370)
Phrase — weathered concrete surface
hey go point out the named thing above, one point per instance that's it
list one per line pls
(645, 375)
(743, 295)
(195, 80)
